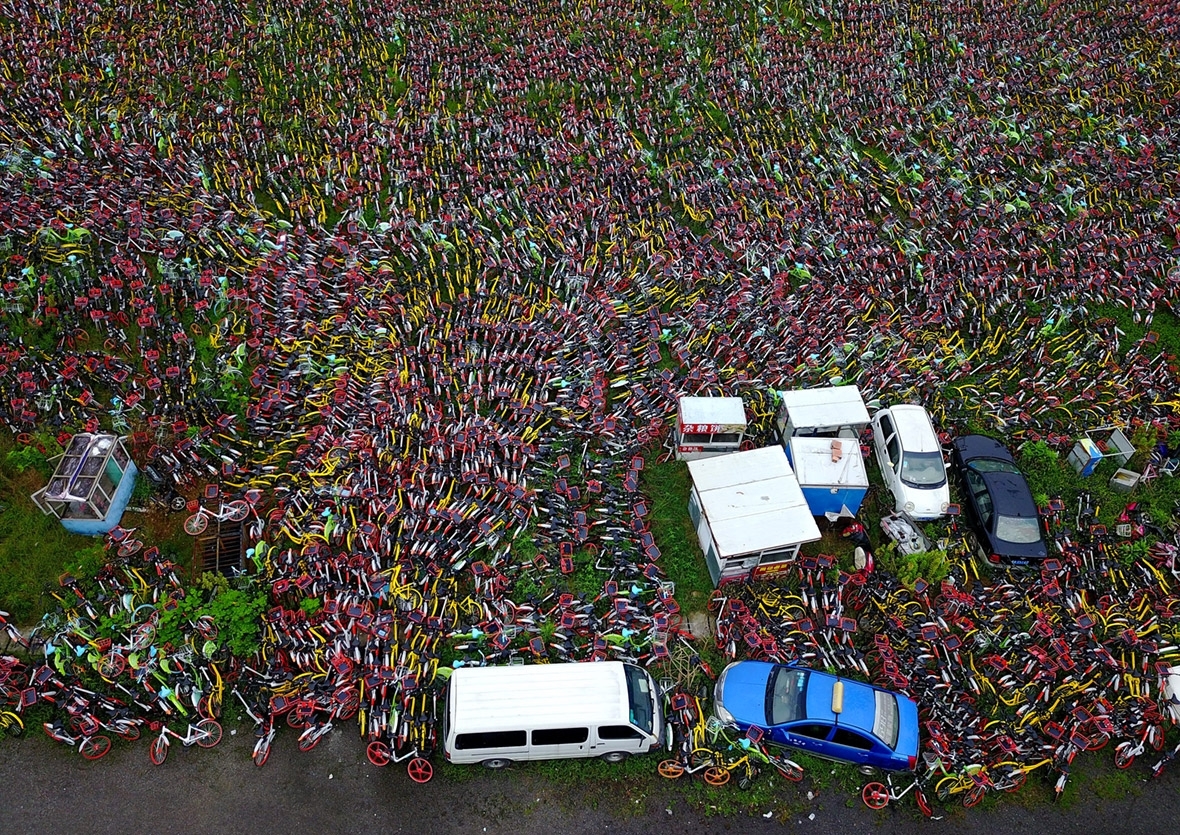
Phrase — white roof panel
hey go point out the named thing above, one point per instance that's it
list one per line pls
(752, 501)
(720, 411)
(814, 464)
(509, 697)
(825, 406)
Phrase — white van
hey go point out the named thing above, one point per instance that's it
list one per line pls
(497, 715)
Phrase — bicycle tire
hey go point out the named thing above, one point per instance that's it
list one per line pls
(875, 795)
(1017, 778)
(378, 753)
(715, 775)
(236, 511)
(1123, 756)
(306, 743)
(947, 786)
(212, 733)
(701, 757)
(131, 733)
(95, 747)
(671, 769)
(923, 804)
(420, 770)
(1098, 741)
(262, 755)
(111, 666)
(972, 796)
(790, 771)
(158, 750)
(196, 524)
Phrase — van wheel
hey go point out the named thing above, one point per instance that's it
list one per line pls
(614, 757)
(498, 762)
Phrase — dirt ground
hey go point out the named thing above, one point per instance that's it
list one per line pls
(49, 789)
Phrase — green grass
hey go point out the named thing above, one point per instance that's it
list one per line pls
(34, 550)
(666, 485)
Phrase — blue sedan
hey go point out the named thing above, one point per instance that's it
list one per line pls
(820, 713)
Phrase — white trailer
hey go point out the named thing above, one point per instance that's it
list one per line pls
(749, 513)
(829, 411)
(708, 426)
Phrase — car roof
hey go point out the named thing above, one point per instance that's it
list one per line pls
(1011, 495)
(860, 701)
(971, 447)
(915, 428)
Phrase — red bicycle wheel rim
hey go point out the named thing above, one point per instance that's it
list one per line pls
(420, 770)
(1123, 758)
(195, 524)
(158, 751)
(923, 804)
(972, 797)
(378, 753)
(95, 747)
(875, 795)
(260, 757)
(131, 734)
(112, 666)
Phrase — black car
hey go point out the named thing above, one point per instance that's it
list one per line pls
(1003, 514)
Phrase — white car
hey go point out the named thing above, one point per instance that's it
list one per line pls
(911, 461)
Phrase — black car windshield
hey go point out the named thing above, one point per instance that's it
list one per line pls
(786, 694)
(1018, 529)
(993, 465)
(923, 469)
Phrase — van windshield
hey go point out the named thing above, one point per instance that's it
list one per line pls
(639, 698)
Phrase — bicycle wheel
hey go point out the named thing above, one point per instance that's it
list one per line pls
(947, 786)
(95, 747)
(130, 733)
(211, 731)
(111, 666)
(671, 769)
(236, 511)
(875, 795)
(1017, 777)
(715, 775)
(306, 743)
(420, 770)
(1124, 755)
(1097, 741)
(789, 770)
(700, 757)
(973, 796)
(158, 750)
(262, 755)
(378, 753)
(923, 804)
(195, 525)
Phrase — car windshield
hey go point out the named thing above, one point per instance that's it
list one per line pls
(786, 695)
(923, 469)
(1019, 529)
(993, 465)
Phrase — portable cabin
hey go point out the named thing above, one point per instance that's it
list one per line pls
(749, 513)
(831, 473)
(91, 484)
(828, 411)
(708, 426)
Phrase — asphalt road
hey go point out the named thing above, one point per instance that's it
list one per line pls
(49, 789)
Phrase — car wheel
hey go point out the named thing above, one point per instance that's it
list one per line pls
(866, 770)
(614, 757)
(497, 763)
(974, 546)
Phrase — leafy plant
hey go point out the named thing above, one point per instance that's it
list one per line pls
(237, 613)
(931, 566)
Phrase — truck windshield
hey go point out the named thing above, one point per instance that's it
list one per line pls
(639, 697)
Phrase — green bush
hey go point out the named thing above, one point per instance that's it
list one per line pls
(236, 612)
(931, 566)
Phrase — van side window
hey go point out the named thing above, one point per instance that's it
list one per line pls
(618, 732)
(490, 739)
(561, 736)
